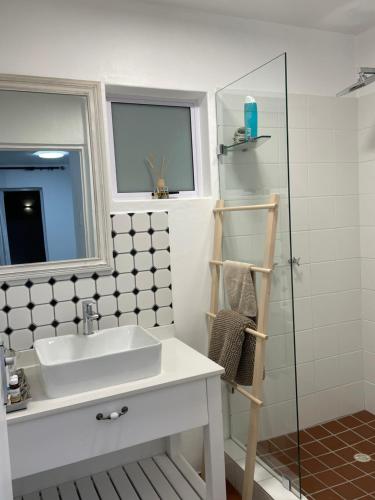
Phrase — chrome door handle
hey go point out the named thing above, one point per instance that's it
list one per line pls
(113, 415)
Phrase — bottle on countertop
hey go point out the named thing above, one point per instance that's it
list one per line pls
(251, 117)
(14, 389)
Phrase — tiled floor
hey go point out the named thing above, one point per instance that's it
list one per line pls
(328, 468)
(232, 494)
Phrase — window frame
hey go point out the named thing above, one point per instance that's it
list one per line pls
(195, 143)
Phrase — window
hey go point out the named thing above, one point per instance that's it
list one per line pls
(145, 135)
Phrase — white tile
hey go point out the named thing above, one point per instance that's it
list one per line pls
(346, 145)
(105, 285)
(366, 144)
(366, 177)
(143, 261)
(347, 242)
(300, 245)
(304, 346)
(162, 278)
(297, 146)
(128, 319)
(41, 293)
(308, 410)
(163, 297)
(349, 305)
(322, 213)
(44, 332)
(301, 281)
(366, 204)
(126, 302)
(323, 245)
(5, 338)
(320, 112)
(368, 310)
(326, 341)
(144, 280)
(161, 259)
(142, 241)
(351, 367)
(164, 316)
(121, 223)
(42, 314)
(346, 179)
(160, 240)
(2, 299)
(85, 288)
(63, 290)
(323, 278)
(352, 398)
(147, 318)
(350, 336)
(21, 340)
(145, 299)
(329, 404)
(322, 180)
(367, 242)
(327, 373)
(368, 335)
(124, 263)
(298, 179)
(65, 311)
(369, 396)
(107, 305)
(108, 322)
(159, 220)
(68, 328)
(297, 111)
(320, 146)
(306, 378)
(125, 282)
(369, 366)
(3, 321)
(123, 243)
(19, 318)
(345, 114)
(346, 211)
(17, 296)
(348, 274)
(324, 309)
(299, 214)
(141, 222)
(365, 108)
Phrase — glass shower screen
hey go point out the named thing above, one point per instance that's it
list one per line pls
(252, 165)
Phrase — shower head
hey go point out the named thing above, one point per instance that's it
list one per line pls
(365, 77)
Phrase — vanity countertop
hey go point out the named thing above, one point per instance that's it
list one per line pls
(180, 364)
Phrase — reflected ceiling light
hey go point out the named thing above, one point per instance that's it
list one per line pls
(50, 155)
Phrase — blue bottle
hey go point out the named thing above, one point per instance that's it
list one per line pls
(251, 118)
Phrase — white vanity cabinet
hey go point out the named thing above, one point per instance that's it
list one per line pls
(55, 432)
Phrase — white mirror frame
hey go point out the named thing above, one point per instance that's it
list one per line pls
(103, 261)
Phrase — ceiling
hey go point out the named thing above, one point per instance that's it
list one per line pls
(344, 16)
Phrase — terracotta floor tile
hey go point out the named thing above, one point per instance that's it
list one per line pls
(330, 478)
(349, 422)
(333, 443)
(350, 437)
(316, 448)
(365, 447)
(304, 454)
(304, 437)
(326, 495)
(347, 453)
(334, 427)
(365, 483)
(232, 494)
(283, 442)
(313, 465)
(366, 467)
(310, 484)
(364, 416)
(365, 431)
(349, 471)
(292, 453)
(349, 491)
(277, 459)
(318, 432)
(265, 447)
(331, 460)
(293, 436)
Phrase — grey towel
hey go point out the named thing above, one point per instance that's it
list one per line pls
(239, 287)
(232, 348)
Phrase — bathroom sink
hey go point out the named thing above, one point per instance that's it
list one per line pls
(78, 363)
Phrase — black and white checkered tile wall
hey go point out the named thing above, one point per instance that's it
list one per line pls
(139, 290)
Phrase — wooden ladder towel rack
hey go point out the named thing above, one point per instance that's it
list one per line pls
(255, 396)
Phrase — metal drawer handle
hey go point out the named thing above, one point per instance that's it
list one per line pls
(112, 416)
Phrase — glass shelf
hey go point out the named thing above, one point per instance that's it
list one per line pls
(244, 146)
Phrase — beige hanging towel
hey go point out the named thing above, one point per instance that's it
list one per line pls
(239, 284)
(232, 348)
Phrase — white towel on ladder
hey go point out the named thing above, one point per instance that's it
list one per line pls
(239, 284)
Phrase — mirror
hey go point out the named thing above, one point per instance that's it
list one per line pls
(54, 216)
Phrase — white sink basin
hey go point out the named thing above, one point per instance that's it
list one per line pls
(77, 363)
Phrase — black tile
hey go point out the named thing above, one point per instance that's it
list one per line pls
(6, 309)
(52, 281)
(75, 299)
(153, 269)
(115, 254)
(32, 327)
(114, 234)
(133, 252)
(154, 288)
(74, 278)
(95, 276)
(137, 311)
(116, 293)
(135, 291)
(77, 320)
(115, 274)
(155, 308)
(8, 330)
(135, 272)
(152, 250)
(96, 296)
(150, 231)
(55, 323)
(29, 284)
(4, 287)
(53, 302)
(30, 306)
(132, 232)
(117, 314)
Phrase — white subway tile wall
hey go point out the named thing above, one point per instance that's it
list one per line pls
(139, 290)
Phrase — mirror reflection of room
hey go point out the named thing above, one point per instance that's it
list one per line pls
(41, 206)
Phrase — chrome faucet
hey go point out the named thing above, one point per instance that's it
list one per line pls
(88, 316)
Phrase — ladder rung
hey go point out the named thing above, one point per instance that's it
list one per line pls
(261, 335)
(245, 393)
(265, 206)
(253, 268)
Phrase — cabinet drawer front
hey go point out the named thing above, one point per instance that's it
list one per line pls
(75, 435)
